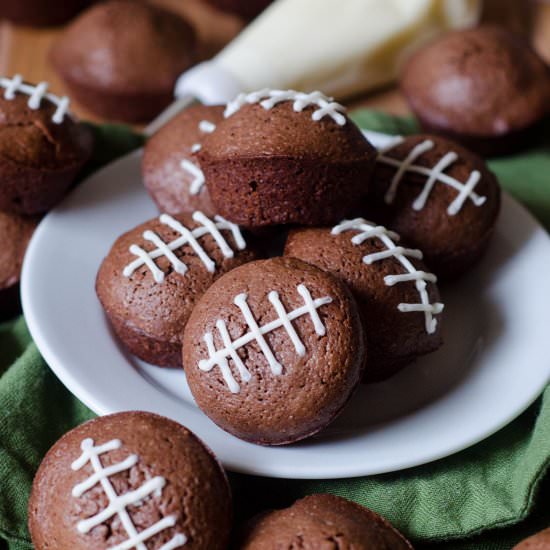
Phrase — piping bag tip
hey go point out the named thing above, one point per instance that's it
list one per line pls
(207, 83)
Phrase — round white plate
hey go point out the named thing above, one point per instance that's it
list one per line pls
(494, 363)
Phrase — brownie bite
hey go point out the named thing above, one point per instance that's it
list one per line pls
(154, 274)
(38, 13)
(439, 197)
(283, 157)
(130, 480)
(42, 148)
(484, 87)
(171, 172)
(15, 233)
(539, 541)
(397, 296)
(120, 59)
(323, 522)
(273, 350)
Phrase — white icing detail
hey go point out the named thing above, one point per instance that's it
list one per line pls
(195, 148)
(206, 126)
(434, 175)
(269, 98)
(118, 503)
(196, 173)
(220, 357)
(36, 95)
(367, 230)
(188, 237)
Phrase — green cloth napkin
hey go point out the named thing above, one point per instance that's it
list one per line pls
(485, 498)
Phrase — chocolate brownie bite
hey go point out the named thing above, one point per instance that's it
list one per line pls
(154, 274)
(37, 13)
(273, 350)
(539, 541)
(42, 148)
(397, 297)
(439, 197)
(171, 172)
(283, 157)
(121, 59)
(484, 87)
(15, 233)
(323, 522)
(130, 480)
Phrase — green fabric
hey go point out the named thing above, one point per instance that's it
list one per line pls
(485, 498)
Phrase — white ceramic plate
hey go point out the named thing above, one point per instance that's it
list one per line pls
(494, 363)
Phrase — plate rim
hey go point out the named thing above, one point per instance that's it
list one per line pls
(97, 405)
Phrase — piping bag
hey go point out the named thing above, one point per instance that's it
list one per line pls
(342, 47)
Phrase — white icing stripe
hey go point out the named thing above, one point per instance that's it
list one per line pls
(195, 148)
(206, 126)
(188, 237)
(196, 174)
(367, 230)
(434, 175)
(118, 503)
(219, 357)
(269, 98)
(36, 95)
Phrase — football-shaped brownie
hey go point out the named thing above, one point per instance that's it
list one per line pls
(284, 157)
(171, 172)
(323, 522)
(42, 148)
(397, 297)
(154, 274)
(15, 233)
(274, 350)
(130, 480)
(484, 87)
(439, 197)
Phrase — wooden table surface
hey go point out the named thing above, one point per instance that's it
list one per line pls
(25, 50)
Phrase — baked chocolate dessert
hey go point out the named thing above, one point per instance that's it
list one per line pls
(15, 233)
(539, 541)
(273, 350)
(484, 87)
(397, 297)
(120, 59)
(171, 172)
(42, 148)
(38, 13)
(323, 522)
(155, 273)
(283, 157)
(130, 480)
(438, 197)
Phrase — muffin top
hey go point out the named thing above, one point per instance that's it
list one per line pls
(288, 379)
(36, 129)
(130, 477)
(323, 522)
(481, 82)
(125, 46)
(274, 123)
(436, 194)
(155, 273)
(15, 233)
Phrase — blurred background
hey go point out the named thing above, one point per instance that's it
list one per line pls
(24, 49)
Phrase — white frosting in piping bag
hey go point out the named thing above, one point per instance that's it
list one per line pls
(340, 47)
